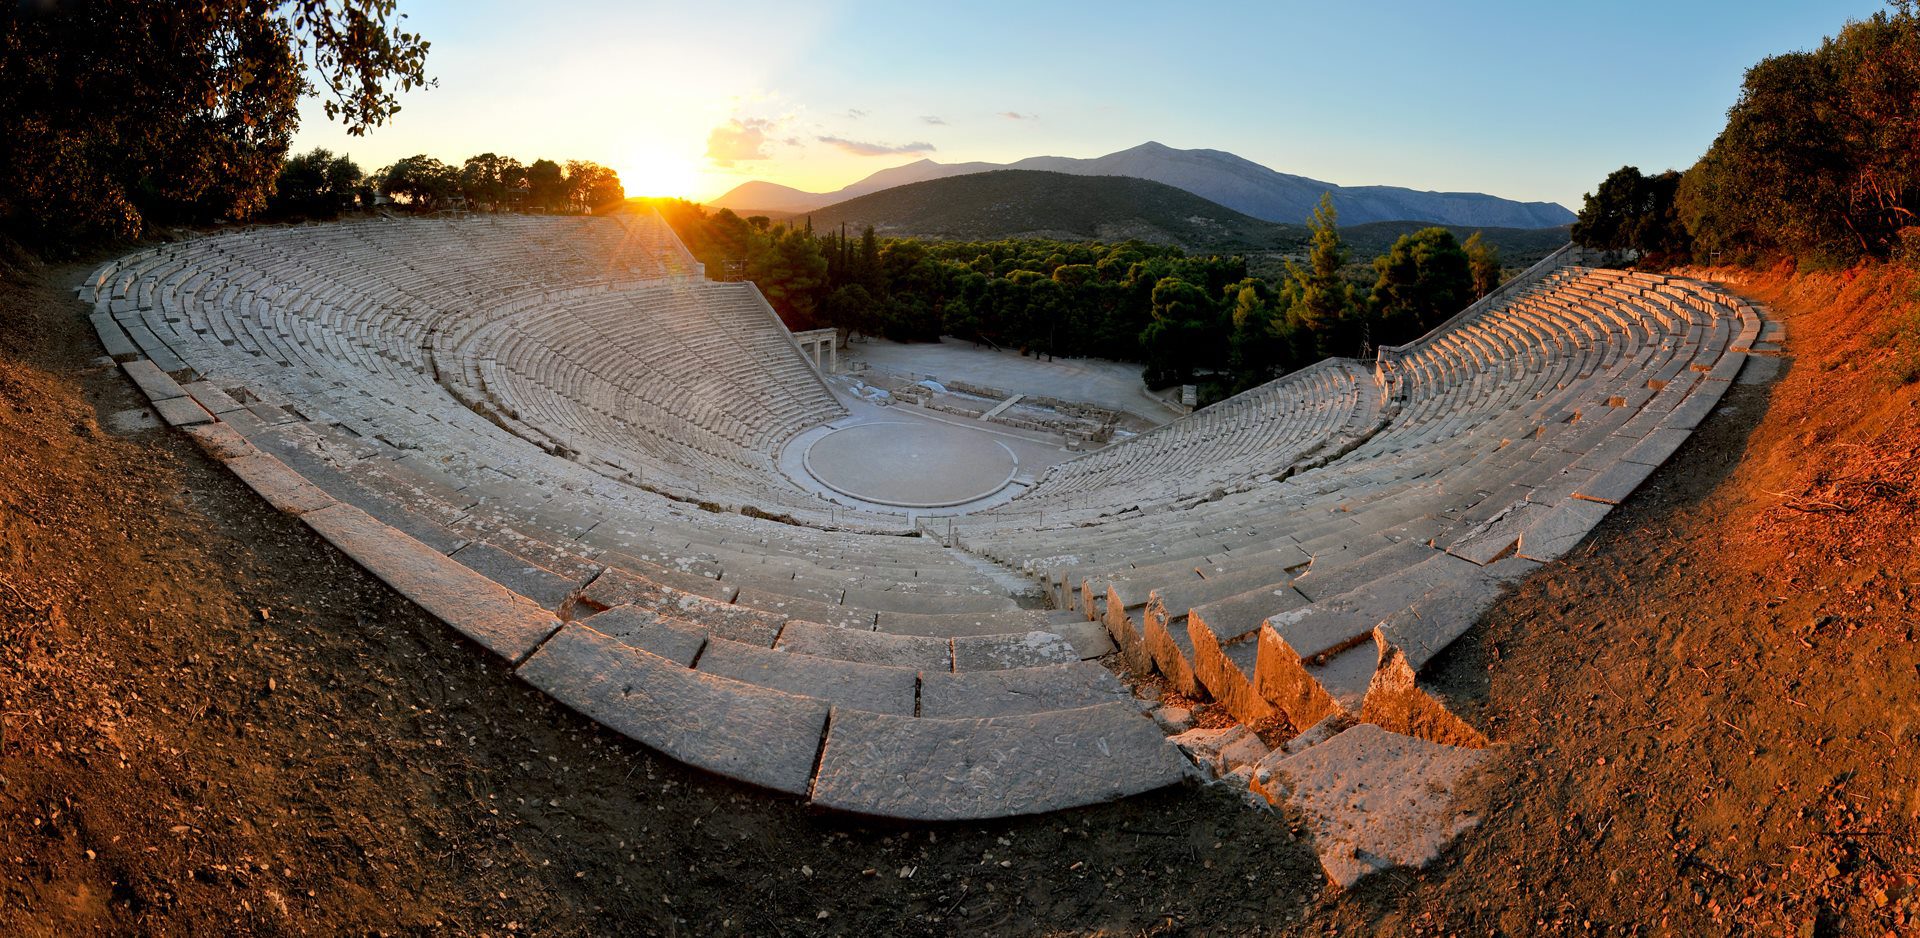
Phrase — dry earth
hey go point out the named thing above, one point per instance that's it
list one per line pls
(211, 723)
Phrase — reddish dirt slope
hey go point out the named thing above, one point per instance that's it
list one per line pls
(1709, 713)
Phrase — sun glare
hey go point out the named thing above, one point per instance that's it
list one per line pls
(656, 171)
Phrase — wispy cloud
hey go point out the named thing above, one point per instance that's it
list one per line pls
(935, 121)
(855, 113)
(738, 141)
(1017, 116)
(864, 148)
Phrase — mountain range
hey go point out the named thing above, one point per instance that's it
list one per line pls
(1015, 203)
(1215, 175)
(1019, 203)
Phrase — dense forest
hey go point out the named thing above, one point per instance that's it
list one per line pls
(1200, 318)
(1819, 160)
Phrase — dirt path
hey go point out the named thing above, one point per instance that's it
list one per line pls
(214, 724)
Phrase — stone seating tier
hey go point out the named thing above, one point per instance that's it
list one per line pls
(545, 431)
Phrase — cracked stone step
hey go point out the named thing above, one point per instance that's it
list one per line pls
(737, 730)
(931, 769)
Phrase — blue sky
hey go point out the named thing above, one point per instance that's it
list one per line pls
(1523, 100)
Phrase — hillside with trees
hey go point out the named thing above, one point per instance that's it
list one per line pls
(1029, 204)
(1199, 318)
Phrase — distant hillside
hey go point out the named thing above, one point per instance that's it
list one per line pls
(1228, 180)
(1519, 247)
(1027, 204)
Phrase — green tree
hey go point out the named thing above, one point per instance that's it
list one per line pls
(546, 186)
(316, 183)
(788, 267)
(1611, 211)
(1184, 321)
(420, 181)
(1423, 279)
(115, 114)
(1320, 299)
(852, 309)
(1632, 211)
(1483, 261)
(591, 185)
(1257, 351)
(492, 180)
(1817, 157)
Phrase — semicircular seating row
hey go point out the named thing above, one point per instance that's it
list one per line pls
(491, 414)
(1507, 434)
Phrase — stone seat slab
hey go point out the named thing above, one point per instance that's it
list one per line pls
(1018, 690)
(677, 641)
(850, 684)
(925, 603)
(750, 734)
(930, 769)
(1561, 529)
(812, 610)
(906, 651)
(946, 625)
(503, 622)
(280, 486)
(1374, 800)
(725, 620)
(156, 384)
(998, 652)
(523, 576)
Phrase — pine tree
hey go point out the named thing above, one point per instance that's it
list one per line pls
(1323, 300)
(1484, 260)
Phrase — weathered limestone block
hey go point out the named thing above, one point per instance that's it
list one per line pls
(1375, 800)
(517, 573)
(1025, 650)
(1395, 702)
(1310, 691)
(182, 412)
(1173, 719)
(1089, 639)
(922, 769)
(725, 620)
(280, 486)
(750, 734)
(906, 651)
(1125, 630)
(1561, 529)
(1224, 635)
(617, 587)
(1207, 746)
(927, 603)
(1166, 640)
(948, 625)
(1614, 483)
(877, 688)
(812, 610)
(220, 440)
(504, 622)
(154, 382)
(1018, 690)
(676, 641)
